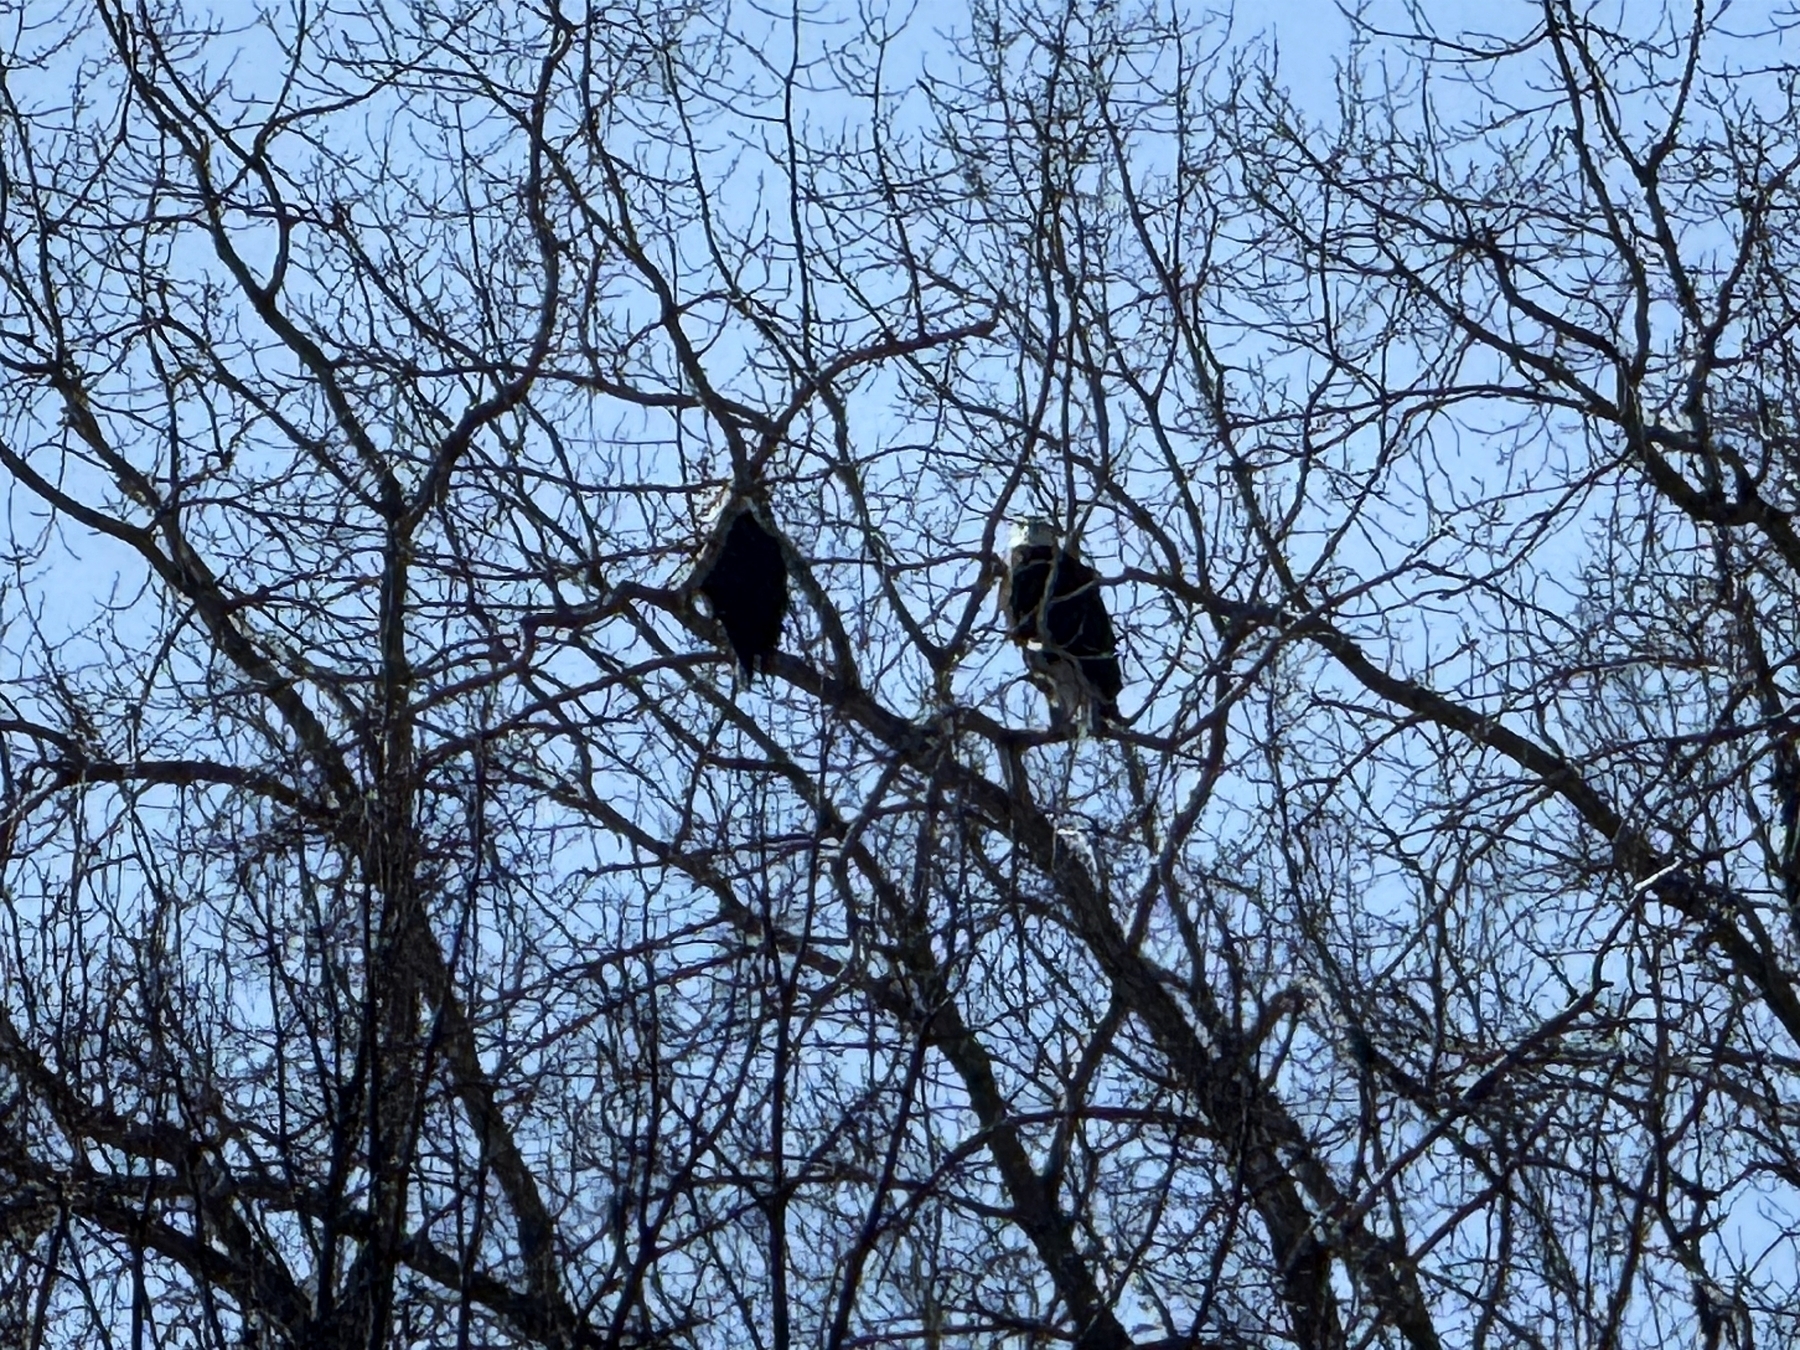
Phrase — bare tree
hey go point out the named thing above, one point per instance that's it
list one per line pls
(419, 933)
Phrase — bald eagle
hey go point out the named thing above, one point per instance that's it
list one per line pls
(1056, 613)
(747, 586)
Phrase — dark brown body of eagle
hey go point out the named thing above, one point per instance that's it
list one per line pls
(1057, 615)
(747, 587)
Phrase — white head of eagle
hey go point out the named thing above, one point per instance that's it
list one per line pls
(1056, 613)
(746, 584)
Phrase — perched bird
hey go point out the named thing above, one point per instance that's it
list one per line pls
(1057, 614)
(747, 585)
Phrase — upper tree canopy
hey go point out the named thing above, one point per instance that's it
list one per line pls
(409, 937)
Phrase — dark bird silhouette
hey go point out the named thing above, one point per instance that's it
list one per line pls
(747, 587)
(1056, 613)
